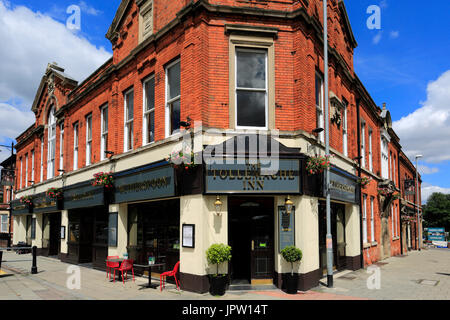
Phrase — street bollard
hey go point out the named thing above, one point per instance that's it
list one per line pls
(34, 266)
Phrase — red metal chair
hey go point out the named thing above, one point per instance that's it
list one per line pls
(126, 266)
(173, 273)
(111, 265)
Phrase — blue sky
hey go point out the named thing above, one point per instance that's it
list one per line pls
(403, 64)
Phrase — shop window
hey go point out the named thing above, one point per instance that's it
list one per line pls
(101, 225)
(129, 117)
(173, 98)
(112, 227)
(149, 111)
(154, 231)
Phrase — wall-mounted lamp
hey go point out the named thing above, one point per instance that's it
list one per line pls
(288, 205)
(186, 124)
(318, 130)
(218, 205)
(109, 153)
(61, 170)
(357, 158)
(32, 182)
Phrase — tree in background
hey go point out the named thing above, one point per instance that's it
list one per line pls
(436, 213)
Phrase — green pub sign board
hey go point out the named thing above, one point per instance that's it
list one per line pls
(145, 184)
(83, 196)
(19, 208)
(244, 177)
(286, 231)
(43, 204)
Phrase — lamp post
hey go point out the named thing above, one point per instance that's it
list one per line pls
(10, 192)
(419, 227)
(327, 149)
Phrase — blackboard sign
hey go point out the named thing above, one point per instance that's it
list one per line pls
(286, 230)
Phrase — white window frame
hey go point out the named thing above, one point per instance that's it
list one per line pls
(345, 130)
(320, 110)
(32, 165)
(172, 100)
(365, 219)
(51, 144)
(88, 140)
(75, 145)
(128, 123)
(21, 172)
(103, 132)
(363, 144)
(146, 112)
(42, 160)
(393, 169)
(372, 219)
(390, 165)
(370, 151)
(392, 220)
(61, 148)
(266, 89)
(384, 157)
(4, 222)
(26, 170)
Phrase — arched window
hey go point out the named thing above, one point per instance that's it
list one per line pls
(51, 146)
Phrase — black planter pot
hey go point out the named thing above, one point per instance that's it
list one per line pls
(218, 285)
(291, 283)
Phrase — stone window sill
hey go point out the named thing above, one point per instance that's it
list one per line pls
(367, 245)
(374, 244)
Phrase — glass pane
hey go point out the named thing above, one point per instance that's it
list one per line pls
(150, 94)
(318, 91)
(251, 109)
(251, 69)
(89, 129)
(130, 105)
(105, 120)
(175, 116)
(151, 127)
(174, 81)
(130, 136)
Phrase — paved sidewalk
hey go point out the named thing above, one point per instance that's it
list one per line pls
(399, 280)
(423, 275)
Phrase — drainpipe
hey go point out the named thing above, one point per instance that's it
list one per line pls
(400, 209)
(358, 133)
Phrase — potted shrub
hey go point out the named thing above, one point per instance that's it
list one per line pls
(291, 254)
(217, 254)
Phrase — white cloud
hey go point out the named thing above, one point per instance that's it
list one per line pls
(394, 34)
(427, 170)
(13, 121)
(89, 9)
(30, 40)
(428, 190)
(426, 131)
(376, 39)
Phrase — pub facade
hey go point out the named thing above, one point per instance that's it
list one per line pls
(245, 85)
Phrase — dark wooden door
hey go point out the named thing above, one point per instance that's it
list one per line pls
(55, 234)
(262, 244)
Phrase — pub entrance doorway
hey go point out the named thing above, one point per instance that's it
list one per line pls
(338, 234)
(251, 237)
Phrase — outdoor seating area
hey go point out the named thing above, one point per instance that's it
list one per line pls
(124, 265)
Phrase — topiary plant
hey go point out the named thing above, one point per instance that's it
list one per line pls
(217, 254)
(292, 254)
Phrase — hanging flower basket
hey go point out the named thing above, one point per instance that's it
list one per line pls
(55, 193)
(364, 182)
(178, 159)
(104, 179)
(386, 192)
(317, 165)
(27, 200)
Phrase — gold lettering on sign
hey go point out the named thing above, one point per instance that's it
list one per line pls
(156, 183)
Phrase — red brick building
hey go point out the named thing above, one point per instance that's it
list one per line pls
(238, 67)
(6, 189)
